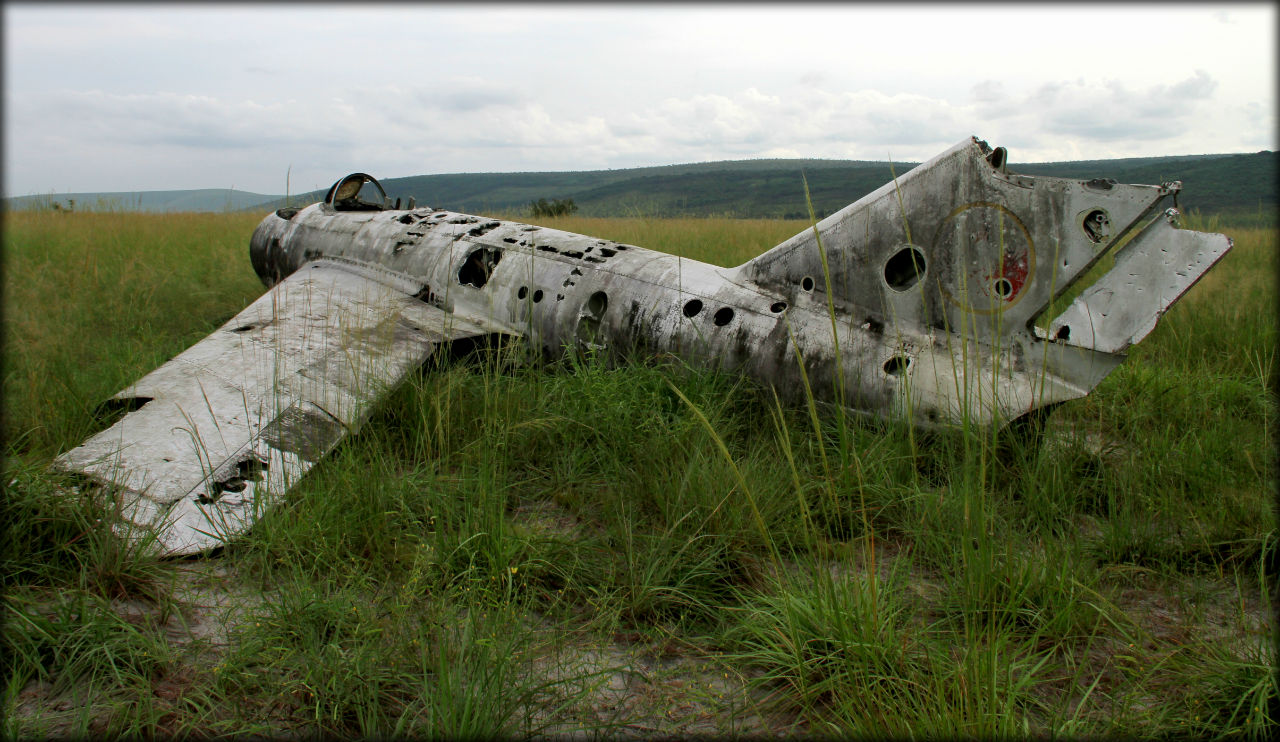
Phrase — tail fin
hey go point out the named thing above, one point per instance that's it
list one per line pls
(960, 242)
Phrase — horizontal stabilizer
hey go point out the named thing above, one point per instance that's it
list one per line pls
(1151, 271)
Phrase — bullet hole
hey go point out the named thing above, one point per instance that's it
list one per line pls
(537, 296)
(590, 259)
(559, 297)
(904, 269)
(1002, 287)
(692, 307)
(511, 240)
(248, 470)
(575, 272)
(286, 214)
(622, 247)
(1064, 333)
(547, 248)
(588, 329)
(896, 365)
(778, 306)
(406, 219)
(110, 411)
(244, 328)
(1096, 225)
(567, 283)
(523, 292)
(478, 266)
(997, 157)
(596, 305)
(723, 316)
(480, 230)
(425, 294)
(589, 249)
(806, 283)
(572, 254)
(607, 253)
(251, 468)
(464, 220)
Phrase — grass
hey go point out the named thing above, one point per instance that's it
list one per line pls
(650, 549)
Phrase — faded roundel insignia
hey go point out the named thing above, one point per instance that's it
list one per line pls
(986, 280)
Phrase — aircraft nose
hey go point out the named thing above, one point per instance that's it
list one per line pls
(265, 249)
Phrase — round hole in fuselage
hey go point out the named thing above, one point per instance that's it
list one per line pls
(723, 316)
(692, 307)
(904, 268)
(896, 365)
(596, 305)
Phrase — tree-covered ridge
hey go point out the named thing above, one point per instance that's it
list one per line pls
(775, 188)
(1230, 184)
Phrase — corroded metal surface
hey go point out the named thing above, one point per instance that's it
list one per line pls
(220, 432)
(922, 301)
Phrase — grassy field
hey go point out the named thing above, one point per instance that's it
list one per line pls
(644, 550)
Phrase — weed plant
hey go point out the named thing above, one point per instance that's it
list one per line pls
(512, 549)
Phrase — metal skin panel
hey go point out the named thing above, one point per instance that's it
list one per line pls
(918, 302)
(1156, 267)
(222, 430)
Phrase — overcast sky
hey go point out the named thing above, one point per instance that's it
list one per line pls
(153, 97)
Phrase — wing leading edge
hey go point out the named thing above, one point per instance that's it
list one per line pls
(220, 432)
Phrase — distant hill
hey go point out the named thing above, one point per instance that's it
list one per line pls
(775, 189)
(1211, 183)
(736, 188)
(766, 188)
(203, 199)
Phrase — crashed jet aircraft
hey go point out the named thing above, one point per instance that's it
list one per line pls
(921, 301)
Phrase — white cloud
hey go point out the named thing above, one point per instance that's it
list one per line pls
(1108, 110)
(988, 91)
(187, 97)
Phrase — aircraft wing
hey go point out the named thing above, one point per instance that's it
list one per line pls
(221, 431)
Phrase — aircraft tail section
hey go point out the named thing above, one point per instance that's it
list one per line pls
(961, 244)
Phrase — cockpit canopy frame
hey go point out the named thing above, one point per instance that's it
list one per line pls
(345, 195)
